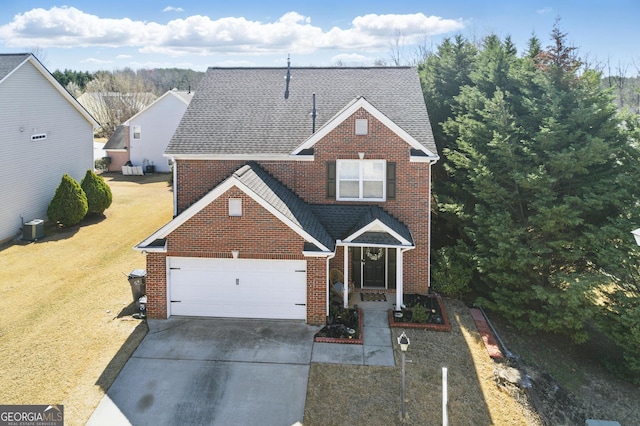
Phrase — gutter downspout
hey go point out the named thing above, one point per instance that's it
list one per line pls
(431, 163)
(326, 287)
(175, 186)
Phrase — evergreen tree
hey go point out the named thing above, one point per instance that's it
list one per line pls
(98, 193)
(69, 204)
(543, 171)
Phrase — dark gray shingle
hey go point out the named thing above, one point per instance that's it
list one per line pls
(243, 110)
(9, 61)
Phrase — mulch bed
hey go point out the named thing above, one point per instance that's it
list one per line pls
(336, 331)
(438, 319)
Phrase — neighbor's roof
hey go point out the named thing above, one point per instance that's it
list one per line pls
(118, 139)
(9, 62)
(243, 111)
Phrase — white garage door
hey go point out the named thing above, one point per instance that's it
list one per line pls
(240, 288)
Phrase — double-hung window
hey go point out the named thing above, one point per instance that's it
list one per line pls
(361, 180)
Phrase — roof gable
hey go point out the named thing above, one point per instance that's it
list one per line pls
(182, 96)
(243, 113)
(267, 192)
(9, 63)
(347, 112)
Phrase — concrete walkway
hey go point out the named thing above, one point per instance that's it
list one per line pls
(377, 348)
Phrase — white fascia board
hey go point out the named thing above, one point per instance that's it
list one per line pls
(234, 157)
(350, 110)
(36, 63)
(215, 194)
(317, 253)
(424, 159)
(151, 249)
(377, 226)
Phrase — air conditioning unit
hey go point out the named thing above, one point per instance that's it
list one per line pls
(33, 230)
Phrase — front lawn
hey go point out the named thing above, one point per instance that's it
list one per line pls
(63, 333)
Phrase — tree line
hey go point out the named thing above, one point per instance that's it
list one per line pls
(537, 189)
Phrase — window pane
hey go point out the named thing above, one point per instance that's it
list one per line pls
(348, 170)
(372, 189)
(373, 170)
(349, 189)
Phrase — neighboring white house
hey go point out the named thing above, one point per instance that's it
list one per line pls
(151, 129)
(44, 133)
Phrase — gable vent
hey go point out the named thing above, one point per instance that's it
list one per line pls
(39, 137)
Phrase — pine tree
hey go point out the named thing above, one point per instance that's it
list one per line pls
(69, 204)
(98, 193)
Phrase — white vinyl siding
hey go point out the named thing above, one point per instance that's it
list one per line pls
(32, 169)
(361, 180)
(159, 121)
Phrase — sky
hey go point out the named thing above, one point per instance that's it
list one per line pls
(196, 34)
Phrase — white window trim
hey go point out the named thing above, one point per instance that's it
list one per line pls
(361, 181)
(139, 132)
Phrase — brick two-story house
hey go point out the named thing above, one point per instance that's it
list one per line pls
(283, 174)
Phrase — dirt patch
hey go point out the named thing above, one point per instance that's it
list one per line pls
(569, 383)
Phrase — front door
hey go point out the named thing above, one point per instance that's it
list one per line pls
(373, 267)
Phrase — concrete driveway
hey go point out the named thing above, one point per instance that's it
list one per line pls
(197, 371)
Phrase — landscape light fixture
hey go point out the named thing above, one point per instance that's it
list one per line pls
(403, 341)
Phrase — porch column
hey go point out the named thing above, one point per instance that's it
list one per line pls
(345, 284)
(399, 289)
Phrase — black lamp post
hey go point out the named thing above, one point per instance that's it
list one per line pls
(403, 341)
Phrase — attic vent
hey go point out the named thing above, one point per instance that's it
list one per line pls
(362, 126)
(39, 137)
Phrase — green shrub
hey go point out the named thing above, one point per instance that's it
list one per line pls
(451, 272)
(69, 204)
(419, 314)
(102, 163)
(98, 193)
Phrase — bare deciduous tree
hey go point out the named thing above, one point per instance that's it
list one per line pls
(113, 98)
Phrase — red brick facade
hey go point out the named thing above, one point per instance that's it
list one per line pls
(259, 234)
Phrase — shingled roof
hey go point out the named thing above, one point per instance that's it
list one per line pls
(243, 111)
(9, 62)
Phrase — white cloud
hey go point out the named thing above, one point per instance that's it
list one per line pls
(95, 61)
(352, 59)
(173, 9)
(544, 10)
(124, 56)
(200, 35)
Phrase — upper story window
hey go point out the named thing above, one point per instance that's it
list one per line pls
(137, 132)
(362, 180)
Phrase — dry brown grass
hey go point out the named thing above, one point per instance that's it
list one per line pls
(61, 340)
(353, 395)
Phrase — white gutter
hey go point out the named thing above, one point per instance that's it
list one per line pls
(175, 186)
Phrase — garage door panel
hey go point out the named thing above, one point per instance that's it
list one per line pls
(239, 288)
